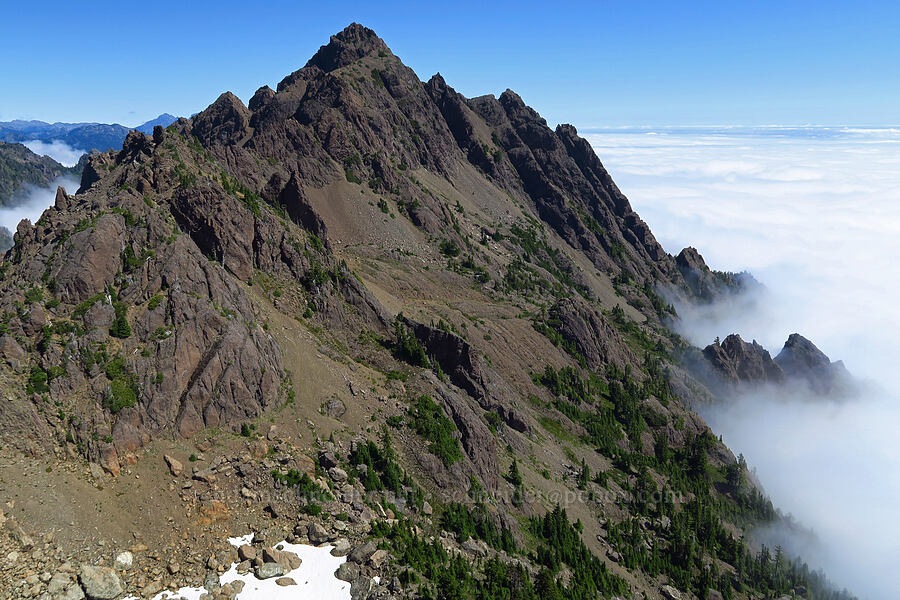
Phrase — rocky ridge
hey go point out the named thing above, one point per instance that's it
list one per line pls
(414, 309)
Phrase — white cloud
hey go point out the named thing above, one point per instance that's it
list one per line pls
(58, 150)
(32, 201)
(815, 215)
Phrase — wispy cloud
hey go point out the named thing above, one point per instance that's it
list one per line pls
(58, 150)
(815, 215)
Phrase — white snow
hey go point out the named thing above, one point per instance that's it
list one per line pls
(315, 578)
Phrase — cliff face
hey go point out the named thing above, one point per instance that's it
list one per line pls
(473, 280)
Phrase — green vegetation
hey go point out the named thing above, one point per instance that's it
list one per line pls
(241, 192)
(429, 421)
(123, 387)
(38, 381)
(120, 327)
(549, 327)
(455, 578)
(382, 471)
(131, 262)
(537, 250)
(407, 347)
(474, 522)
(449, 248)
(302, 484)
(34, 294)
(561, 544)
(82, 307)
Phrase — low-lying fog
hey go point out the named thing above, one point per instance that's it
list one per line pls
(814, 214)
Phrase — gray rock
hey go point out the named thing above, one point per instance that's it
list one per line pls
(348, 572)
(337, 474)
(59, 582)
(100, 583)
(269, 570)
(327, 460)
(341, 547)
(670, 593)
(334, 408)
(362, 553)
(124, 560)
(316, 533)
(361, 588)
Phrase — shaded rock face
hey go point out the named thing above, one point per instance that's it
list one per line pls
(223, 122)
(707, 285)
(738, 362)
(801, 359)
(467, 370)
(597, 340)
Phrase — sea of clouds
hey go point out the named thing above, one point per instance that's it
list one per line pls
(814, 214)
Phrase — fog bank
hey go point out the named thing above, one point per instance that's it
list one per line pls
(814, 214)
(29, 203)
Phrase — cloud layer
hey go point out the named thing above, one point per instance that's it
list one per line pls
(814, 214)
(58, 150)
(32, 201)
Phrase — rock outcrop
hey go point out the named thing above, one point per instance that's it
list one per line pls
(738, 362)
(734, 363)
(801, 359)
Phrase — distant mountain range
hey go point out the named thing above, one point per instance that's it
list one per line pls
(83, 136)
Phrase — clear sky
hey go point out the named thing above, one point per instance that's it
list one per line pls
(594, 64)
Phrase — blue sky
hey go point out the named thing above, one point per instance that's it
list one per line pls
(593, 64)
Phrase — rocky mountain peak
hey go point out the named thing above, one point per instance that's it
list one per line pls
(801, 359)
(224, 121)
(740, 362)
(346, 47)
(798, 352)
(690, 258)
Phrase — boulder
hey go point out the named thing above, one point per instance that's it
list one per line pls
(100, 583)
(317, 534)
(362, 553)
(670, 593)
(175, 466)
(269, 570)
(337, 474)
(348, 572)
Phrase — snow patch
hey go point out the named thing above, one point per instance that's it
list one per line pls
(315, 577)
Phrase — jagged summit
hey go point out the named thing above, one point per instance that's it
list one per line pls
(738, 363)
(346, 47)
(801, 358)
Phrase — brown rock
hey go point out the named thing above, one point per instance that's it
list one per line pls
(175, 466)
